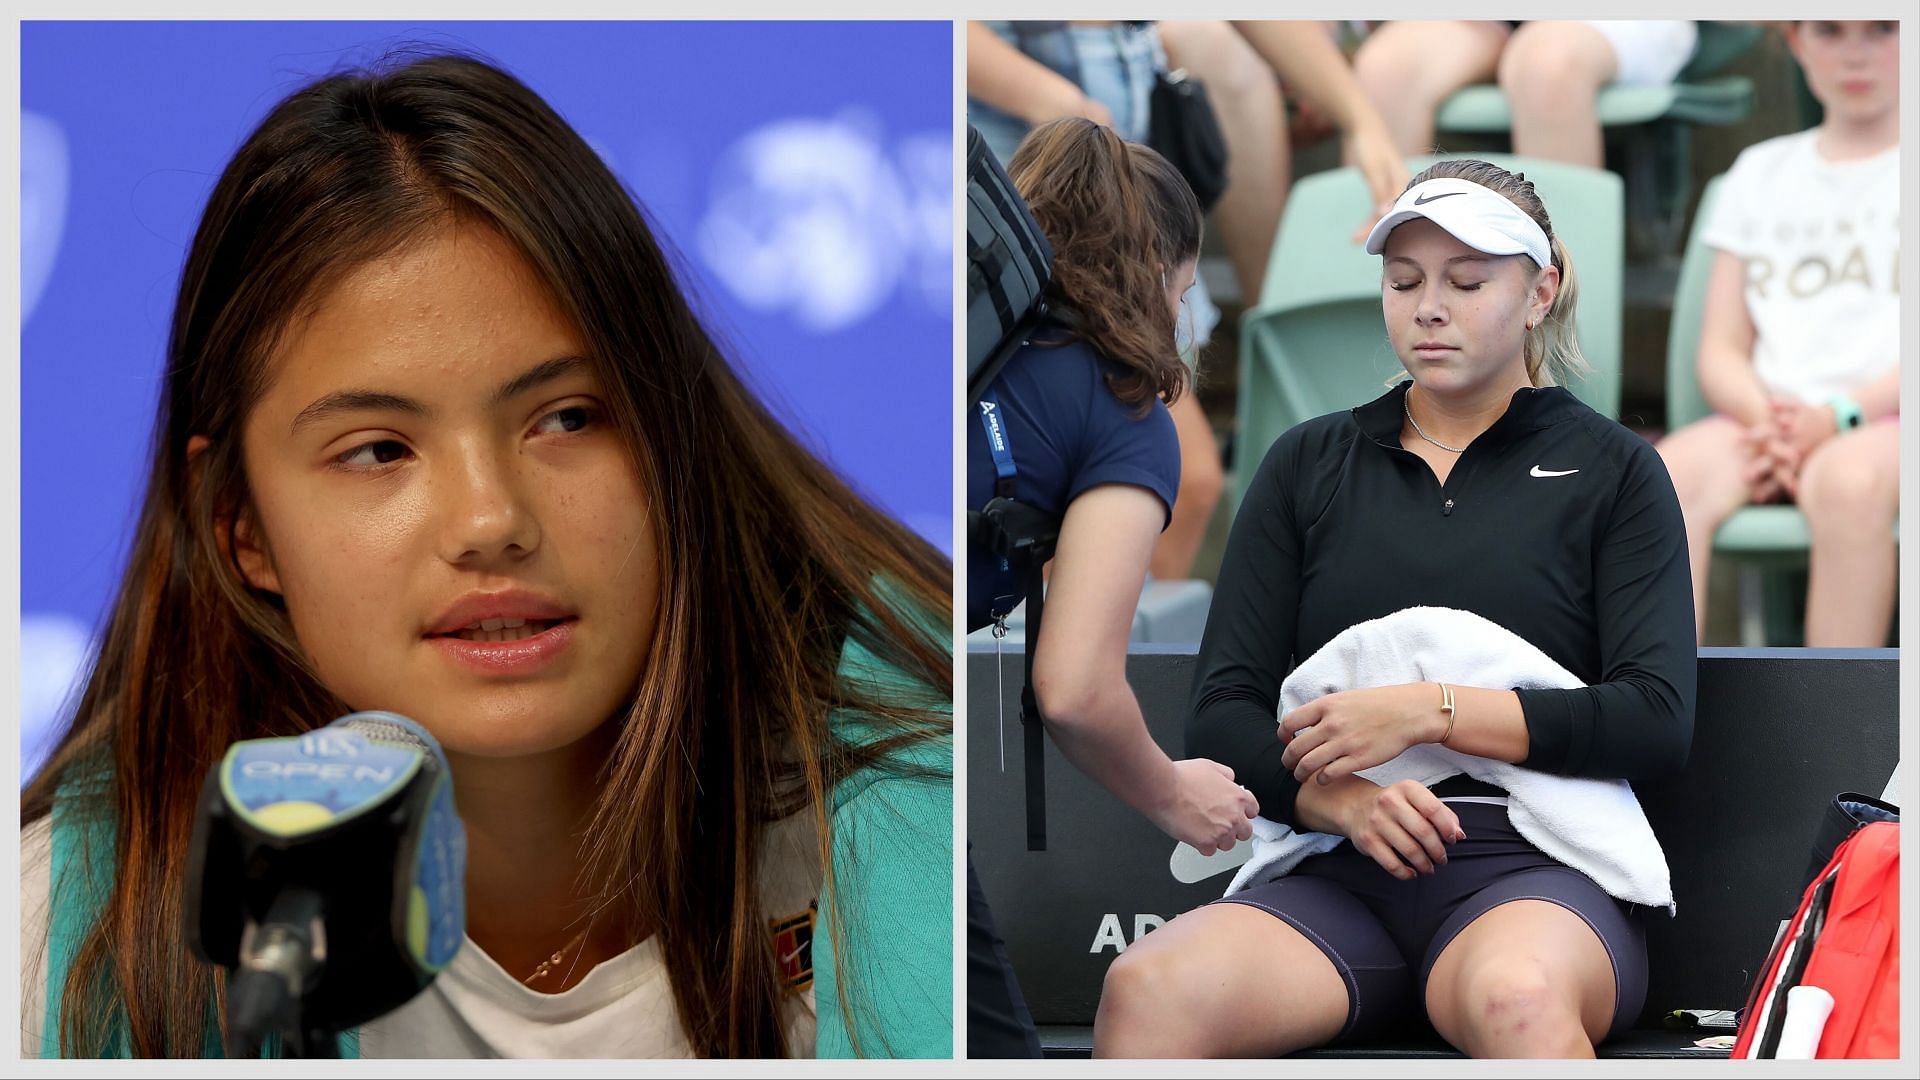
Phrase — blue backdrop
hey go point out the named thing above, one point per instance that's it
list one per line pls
(803, 171)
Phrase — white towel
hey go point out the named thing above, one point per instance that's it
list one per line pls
(1594, 826)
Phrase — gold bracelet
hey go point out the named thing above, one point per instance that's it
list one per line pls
(1446, 706)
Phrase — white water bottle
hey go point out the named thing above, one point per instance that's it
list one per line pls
(1807, 1010)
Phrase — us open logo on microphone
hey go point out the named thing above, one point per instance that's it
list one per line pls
(328, 744)
(333, 772)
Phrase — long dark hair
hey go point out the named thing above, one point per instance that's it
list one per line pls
(770, 563)
(1119, 218)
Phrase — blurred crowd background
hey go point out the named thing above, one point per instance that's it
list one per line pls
(1624, 126)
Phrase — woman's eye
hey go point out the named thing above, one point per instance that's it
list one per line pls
(565, 421)
(1467, 286)
(1400, 286)
(373, 454)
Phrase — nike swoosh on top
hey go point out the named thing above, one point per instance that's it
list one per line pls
(1422, 200)
(1538, 471)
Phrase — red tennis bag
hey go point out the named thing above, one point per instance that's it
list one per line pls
(1845, 939)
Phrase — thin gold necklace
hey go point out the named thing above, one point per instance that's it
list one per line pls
(1407, 400)
(548, 964)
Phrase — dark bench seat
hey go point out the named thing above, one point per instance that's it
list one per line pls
(1777, 734)
(1077, 1042)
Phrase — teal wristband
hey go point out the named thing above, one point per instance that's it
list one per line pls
(1846, 412)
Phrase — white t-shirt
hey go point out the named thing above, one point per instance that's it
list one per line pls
(1821, 242)
(623, 1008)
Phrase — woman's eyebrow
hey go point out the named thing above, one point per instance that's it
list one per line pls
(342, 401)
(544, 372)
(379, 400)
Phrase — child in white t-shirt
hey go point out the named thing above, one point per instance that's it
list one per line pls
(1800, 341)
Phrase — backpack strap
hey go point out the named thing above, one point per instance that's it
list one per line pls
(1031, 722)
(1010, 528)
(980, 383)
(1004, 469)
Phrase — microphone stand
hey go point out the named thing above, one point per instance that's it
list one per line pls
(279, 959)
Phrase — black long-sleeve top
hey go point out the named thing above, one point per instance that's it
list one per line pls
(1556, 523)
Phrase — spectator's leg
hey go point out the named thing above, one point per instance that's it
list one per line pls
(1409, 68)
(1246, 99)
(1850, 492)
(1707, 464)
(1202, 479)
(1551, 73)
(1226, 980)
(1527, 979)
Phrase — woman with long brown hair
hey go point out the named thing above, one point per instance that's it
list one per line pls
(1082, 403)
(441, 435)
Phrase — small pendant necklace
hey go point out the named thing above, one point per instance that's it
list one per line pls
(1407, 400)
(547, 965)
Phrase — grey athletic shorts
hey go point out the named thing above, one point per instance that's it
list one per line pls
(1383, 934)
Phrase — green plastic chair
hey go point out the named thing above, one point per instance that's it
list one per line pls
(1315, 342)
(1769, 542)
(1656, 120)
(1698, 96)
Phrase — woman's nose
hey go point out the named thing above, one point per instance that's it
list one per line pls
(486, 515)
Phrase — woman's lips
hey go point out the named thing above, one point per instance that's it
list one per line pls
(1434, 352)
(526, 656)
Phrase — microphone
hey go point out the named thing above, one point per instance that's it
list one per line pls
(327, 873)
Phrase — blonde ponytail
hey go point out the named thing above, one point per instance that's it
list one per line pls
(1553, 348)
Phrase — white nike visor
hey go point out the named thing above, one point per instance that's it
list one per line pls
(1477, 216)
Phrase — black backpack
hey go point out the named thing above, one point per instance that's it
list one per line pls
(1008, 266)
(1009, 263)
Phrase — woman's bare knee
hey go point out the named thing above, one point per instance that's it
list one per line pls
(1526, 979)
(1707, 465)
(1387, 67)
(1515, 1009)
(1136, 976)
(1844, 488)
(1143, 1005)
(1549, 61)
(1206, 985)
(1513, 1006)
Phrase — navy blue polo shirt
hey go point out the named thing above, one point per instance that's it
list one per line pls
(1068, 433)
